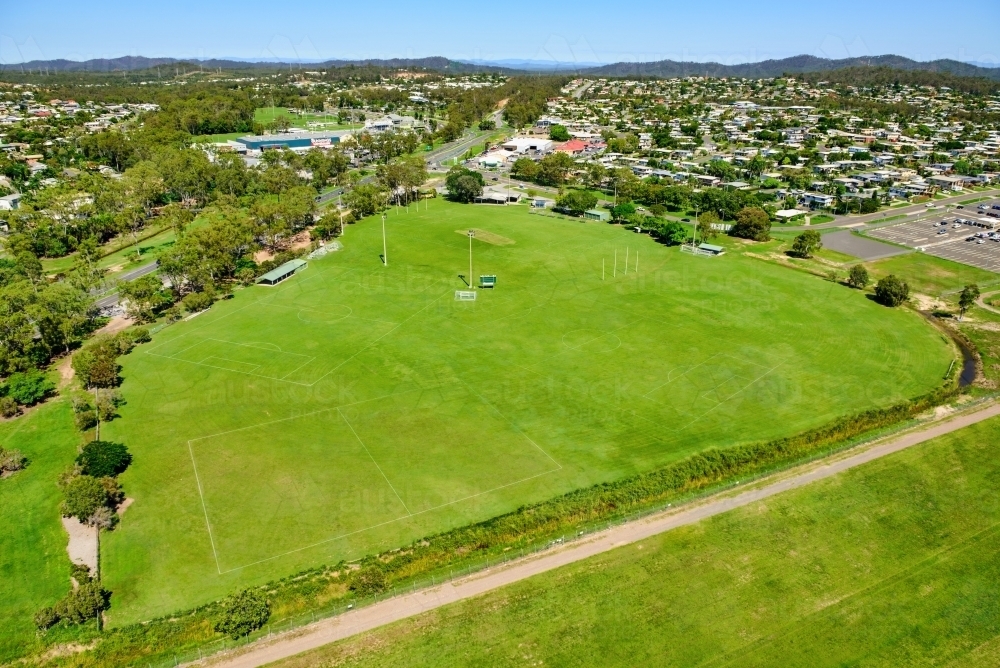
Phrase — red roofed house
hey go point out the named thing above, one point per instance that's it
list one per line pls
(573, 147)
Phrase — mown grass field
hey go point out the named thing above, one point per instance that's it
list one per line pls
(357, 406)
(34, 566)
(928, 274)
(895, 563)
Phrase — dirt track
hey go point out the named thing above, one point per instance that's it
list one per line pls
(408, 605)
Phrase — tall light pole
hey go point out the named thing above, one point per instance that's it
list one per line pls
(472, 235)
(385, 255)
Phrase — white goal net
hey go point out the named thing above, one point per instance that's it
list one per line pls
(465, 295)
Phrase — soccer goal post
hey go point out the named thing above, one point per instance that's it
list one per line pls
(465, 295)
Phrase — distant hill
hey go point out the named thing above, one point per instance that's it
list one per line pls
(793, 65)
(139, 63)
(662, 68)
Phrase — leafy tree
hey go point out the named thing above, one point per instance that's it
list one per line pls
(807, 243)
(577, 201)
(464, 185)
(891, 291)
(968, 297)
(858, 277)
(705, 223)
(487, 125)
(553, 169)
(28, 388)
(366, 199)
(243, 613)
(674, 233)
(144, 297)
(559, 133)
(103, 458)
(623, 211)
(752, 223)
(524, 168)
(84, 494)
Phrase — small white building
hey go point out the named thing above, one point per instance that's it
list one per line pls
(520, 145)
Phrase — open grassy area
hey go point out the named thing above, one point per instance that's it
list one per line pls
(267, 115)
(358, 406)
(895, 563)
(929, 275)
(34, 567)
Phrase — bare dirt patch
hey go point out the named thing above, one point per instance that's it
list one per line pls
(300, 240)
(65, 369)
(928, 303)
(123, 506)
(82, 546)
(115, 325)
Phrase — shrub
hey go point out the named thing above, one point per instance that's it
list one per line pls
(858, 278)
(198, 301)
(83, 603)
(84, 495)
(9, 407)
(85, 420)
(29, 388)
(368, 581)
(103, 518)
(46, 618)
(243, 613)
(892, 291)
(103, 458)
(807, 243)
(11, 460)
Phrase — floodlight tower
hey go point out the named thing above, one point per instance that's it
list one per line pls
(385, 256)
(472, 235)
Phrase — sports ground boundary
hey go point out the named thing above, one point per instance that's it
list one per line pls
(403, 606)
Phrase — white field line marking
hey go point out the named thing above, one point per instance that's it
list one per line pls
(511, 423)
(690, 369)
(384, 477)
(252, 372)
(210, 366)
(303, 415)
(259, 347)
(372, 343)
(297, 368)
(392, 521)
(204, 509)
(198, 329)
(737, 392)
(596, 338)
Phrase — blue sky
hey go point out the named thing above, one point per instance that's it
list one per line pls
(579, 31)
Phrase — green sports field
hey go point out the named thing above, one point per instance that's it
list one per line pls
(895, 563)
(34, 566)
(358, 406)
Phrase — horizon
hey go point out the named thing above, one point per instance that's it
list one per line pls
(729, 33)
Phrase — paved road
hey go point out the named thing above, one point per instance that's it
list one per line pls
(874, 218)
(862, 248)
(408, 605)
(110, 300)
(578, 93)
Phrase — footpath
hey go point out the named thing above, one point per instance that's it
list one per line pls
(391, 610)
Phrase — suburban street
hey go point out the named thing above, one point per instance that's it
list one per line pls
(112, 299)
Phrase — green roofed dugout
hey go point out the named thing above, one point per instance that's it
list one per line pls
(278, 274)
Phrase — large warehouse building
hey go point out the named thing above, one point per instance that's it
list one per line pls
(293, 140)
